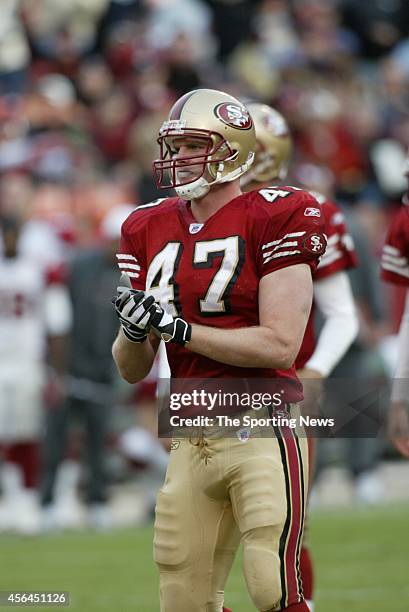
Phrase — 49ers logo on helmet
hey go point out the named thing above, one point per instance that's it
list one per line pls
(234, 115)
(315, 243)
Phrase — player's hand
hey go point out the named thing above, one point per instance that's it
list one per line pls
(398, 427)
(135, 310)
(170, 329)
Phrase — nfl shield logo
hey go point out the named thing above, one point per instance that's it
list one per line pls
(195, 227)
(243, 435)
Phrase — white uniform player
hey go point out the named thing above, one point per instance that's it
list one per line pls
(32, 307)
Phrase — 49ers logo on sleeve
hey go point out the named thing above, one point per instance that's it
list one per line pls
(315, 244)
(234, 115)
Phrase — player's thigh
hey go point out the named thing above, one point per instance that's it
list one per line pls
(257, 483)
(268, 478)
(21, 401)
(187, 520)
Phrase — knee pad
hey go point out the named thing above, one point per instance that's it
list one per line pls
(261, 566)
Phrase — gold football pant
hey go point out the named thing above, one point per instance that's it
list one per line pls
(221, 490)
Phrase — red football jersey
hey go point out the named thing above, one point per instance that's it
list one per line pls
(339, 255)
(395, 254)
(208, 273)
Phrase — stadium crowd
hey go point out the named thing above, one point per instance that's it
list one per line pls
(84, 87)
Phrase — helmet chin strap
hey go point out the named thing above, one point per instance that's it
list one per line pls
(200, 187)
(195, 190)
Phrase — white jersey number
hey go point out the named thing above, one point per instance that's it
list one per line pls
(160, 277)
(160, 280)
(271, 194)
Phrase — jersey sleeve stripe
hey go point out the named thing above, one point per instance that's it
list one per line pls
(332, 249)
(397, 261)
(390, 250)
(280, 246)
(329, 258)
(401, 271)
(332, 240)
(276, 242)
(126, 257)
(282, 254)
(127, 266)
(133, 274)
(348, 242)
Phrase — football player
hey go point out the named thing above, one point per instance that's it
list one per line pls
(213, 276)
(35, 314)
(332, 291)
(395, 269)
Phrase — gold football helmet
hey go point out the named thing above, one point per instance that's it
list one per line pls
(274, 145)
(219, 122)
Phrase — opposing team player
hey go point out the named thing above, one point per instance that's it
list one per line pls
(34, 310)
(395, 269)
(332, 291)
(232, 302)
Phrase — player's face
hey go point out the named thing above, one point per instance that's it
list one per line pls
(183, 150)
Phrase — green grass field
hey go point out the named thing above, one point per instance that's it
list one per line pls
(362, 565)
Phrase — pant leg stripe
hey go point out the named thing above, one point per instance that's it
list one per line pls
(303, 509)
(286, 528)
(293, 468)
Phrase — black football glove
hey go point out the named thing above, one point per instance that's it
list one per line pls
(138, 312)
(170, 329)
(135, 311)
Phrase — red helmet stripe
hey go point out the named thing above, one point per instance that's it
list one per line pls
(178, 107)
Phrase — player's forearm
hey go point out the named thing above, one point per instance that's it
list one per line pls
(333, 296)
(133, 360)
(249, 347)
(336, 337)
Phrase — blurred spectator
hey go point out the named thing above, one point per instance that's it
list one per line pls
(14, 49)
(186, 18)
(111, 122)
(324, 43)
(380, 24)
(94, 80)
(183, 73)
(143, 149)
(61, 32)
(231, 23)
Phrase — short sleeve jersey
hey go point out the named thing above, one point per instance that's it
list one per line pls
(209, 273)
